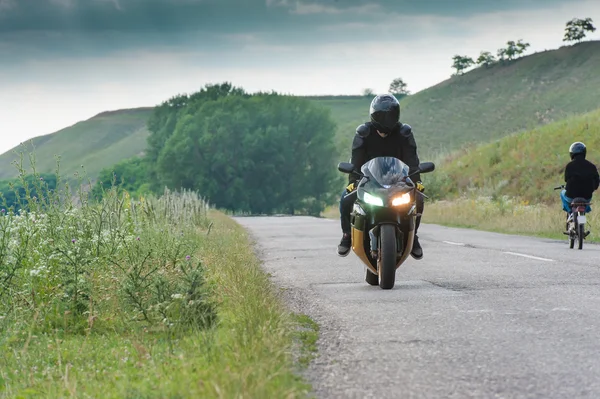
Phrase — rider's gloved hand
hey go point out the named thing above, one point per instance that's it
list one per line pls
(420, 186)
(350, 187)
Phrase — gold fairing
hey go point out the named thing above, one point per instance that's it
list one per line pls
(358, 246)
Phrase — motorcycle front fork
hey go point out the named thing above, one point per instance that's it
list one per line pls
(374, 240)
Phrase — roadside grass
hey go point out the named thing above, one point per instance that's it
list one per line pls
(331, 212)
(308, 335)
(150, 298)
(507, 215)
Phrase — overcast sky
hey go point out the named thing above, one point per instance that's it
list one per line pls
(62, 61)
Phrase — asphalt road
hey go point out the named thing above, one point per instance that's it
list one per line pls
(482, 315)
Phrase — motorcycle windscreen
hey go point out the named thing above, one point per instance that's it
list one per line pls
(387, 171)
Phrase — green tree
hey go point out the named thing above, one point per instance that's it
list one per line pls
(486, 59)
(165, 117)
(462, 63)
(132, 175)
(368, 92)
(263, 153)
(512, 50)
(398, 87)
(522, 47)
(576, 29)
(13, 192)
(502, 54)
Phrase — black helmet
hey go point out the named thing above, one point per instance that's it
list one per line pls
(385, 112)
(577, 148)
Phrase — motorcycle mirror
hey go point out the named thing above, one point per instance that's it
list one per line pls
(346, 167)
(426, 167)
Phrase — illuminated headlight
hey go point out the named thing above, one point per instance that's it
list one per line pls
(401, 199)
(370, 199)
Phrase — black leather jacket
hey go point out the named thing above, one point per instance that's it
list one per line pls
(581, 177)
(400, 143)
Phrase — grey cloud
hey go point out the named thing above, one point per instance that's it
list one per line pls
(34, 29)
(184, 15)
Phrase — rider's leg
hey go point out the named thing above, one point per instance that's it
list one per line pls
(566, 201)
(566, 205)
(588, 209)
(346, 203)
(417, 250)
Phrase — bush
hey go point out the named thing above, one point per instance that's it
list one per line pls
(101, 265)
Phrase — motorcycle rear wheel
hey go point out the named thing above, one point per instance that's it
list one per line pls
(371, 279)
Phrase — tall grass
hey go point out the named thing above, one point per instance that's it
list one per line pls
(135, 298)
(506, 215)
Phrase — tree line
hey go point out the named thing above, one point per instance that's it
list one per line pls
(575, 31)
(258, 153)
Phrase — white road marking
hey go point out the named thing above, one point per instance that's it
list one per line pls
(460, 244)
(530, 256)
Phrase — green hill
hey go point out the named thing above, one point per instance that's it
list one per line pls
(477, 107)
(525, 165)
(96, 143)
(488, 103)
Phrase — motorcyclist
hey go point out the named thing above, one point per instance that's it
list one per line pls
(581, 177)
(383, 136)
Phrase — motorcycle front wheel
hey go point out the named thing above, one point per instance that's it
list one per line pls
(387, 257)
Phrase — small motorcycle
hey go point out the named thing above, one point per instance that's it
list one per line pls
(383, 217)
(576, 221)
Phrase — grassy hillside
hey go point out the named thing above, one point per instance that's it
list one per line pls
(526, 165)
(488, 103)
(479, 106)
(95, 143)
(347, 112)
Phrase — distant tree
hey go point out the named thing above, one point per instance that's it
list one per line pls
(462, 63)
(368, 92)
(13, 192)
(512, 50)
(486, 59)
(522, 47)
(502, 56)
(398, 87)
(131, 174)
(576, 29)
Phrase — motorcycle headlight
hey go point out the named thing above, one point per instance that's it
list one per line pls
(371, 199)
(401, 199)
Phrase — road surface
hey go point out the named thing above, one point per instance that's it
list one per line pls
(482, 315)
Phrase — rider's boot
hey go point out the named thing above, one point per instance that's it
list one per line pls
(417, 250)
(345, 245)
